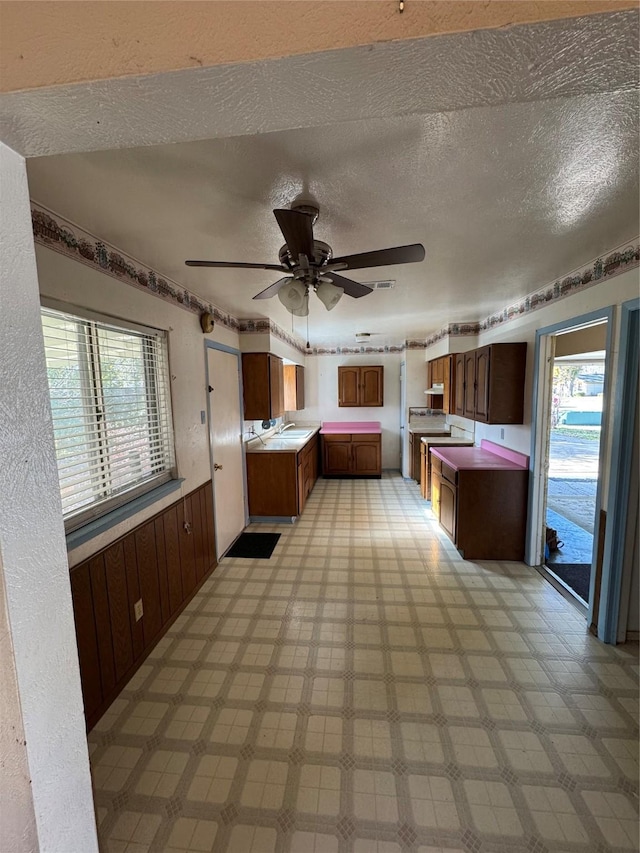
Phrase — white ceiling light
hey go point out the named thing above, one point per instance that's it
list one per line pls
(329, 294)
(292, 296)
(362, 337)
(303, 310)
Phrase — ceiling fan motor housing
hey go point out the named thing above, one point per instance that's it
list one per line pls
(322, 254)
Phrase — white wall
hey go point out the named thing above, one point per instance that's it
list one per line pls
(17, 818)
(64, 279)
(45, 761)
(321, 397)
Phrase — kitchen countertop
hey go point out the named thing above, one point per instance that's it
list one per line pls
(416, 429)
(273, 443)
(445, 439)
(350, 427)
(488, 456)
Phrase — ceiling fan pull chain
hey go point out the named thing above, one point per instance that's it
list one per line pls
(308, 347)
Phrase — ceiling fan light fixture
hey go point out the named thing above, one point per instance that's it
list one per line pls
(329, 294)
(303, 310)
(292, 295)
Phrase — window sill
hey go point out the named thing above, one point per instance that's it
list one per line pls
(122, 513)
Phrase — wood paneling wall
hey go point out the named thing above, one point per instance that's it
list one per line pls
(162, 562)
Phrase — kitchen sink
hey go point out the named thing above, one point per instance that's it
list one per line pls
(296, 434)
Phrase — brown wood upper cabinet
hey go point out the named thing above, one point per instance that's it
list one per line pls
(263, 386)
(440, 371)
(490, 383)
(360, 386)
(293, 387)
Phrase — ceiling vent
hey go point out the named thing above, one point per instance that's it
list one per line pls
(382, 285)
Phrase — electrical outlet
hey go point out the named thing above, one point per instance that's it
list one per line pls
(137, 610)
(203, 417)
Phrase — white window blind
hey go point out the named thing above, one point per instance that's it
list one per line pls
(111, 410)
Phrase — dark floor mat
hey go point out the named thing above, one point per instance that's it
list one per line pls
(575, 575)
(256, 546)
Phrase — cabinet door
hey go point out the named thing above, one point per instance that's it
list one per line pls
(459, 384)
(469, 384)
(436, 480)
(365, 457)
(371, 386)
(348, 382)
(299, 387)
(448, 508)
(255, 384)
(290, 395)
(438, 371)
(412, 463)
(302, 495)
(483, 366)
(308, 476)
(447, 396)
(276, 381)
(293, 376)
(423, 471)
(337, 457)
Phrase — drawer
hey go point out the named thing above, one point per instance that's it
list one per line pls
(436, 463)
(357, 436)
(449, 473)
(334, 436)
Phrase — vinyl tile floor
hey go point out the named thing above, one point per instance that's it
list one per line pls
(367, 691)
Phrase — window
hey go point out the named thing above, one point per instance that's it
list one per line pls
(110, 400)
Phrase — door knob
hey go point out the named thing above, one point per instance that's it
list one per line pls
(217, 467)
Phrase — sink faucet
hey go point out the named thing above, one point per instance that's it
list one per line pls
(282, 427)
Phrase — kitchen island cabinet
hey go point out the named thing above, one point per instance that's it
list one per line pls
(479, 496)
(351, 449)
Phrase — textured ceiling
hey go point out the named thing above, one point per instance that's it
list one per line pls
(508, 185)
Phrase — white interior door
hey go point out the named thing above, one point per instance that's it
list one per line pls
(225, 437)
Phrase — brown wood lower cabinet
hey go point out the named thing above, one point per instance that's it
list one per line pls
(483, 511)
(352, 455)
(279, 482)
(162, 562)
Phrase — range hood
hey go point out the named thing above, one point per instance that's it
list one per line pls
(435, 389)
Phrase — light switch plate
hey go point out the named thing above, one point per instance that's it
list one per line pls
(137, 610)
(203, 417)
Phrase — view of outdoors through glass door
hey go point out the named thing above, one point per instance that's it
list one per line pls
(574, 449)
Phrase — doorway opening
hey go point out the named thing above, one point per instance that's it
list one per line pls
(574, 437)
(577, 390)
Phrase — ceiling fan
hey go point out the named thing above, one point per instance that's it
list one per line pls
(310, 264)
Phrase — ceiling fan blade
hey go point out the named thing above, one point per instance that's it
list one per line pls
(351, 288)
(383, 257)
(297, 230)
(270, 291)
(234, 264)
